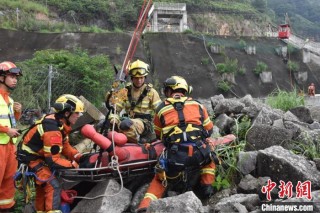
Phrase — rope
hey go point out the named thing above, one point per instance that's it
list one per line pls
(205, 47)
(114, 164)
(23, 178)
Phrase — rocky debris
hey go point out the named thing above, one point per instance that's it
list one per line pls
(303, 114)
(110, 197)
(247, 162)
(187, 202)
(262, 136)
(267, 158)
(280, 164)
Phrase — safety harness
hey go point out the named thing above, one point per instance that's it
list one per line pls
(183, 132)
(133, 104)
(25, 154)
(24, 177)
(185, 148)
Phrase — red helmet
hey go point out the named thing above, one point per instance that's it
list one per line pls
(8, 67)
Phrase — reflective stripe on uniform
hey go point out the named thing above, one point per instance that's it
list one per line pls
(40, 130)
(206, 122)
(166, 129)
(150, 196)
(6, 201)
(208, 171)
(26, 148)
(4, 116)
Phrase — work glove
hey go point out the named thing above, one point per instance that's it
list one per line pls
(77, 157)
(114, 118)
(75, 165)
(85, 161)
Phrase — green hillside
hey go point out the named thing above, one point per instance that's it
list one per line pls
(121, 15)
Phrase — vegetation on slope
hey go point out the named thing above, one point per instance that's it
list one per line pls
(101, 16)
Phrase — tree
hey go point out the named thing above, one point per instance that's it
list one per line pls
(260, 5)
(74, 72)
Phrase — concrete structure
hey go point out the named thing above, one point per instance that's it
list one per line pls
(167, 17)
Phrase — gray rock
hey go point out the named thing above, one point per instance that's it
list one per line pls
(109, 198)
(247, 162)
(267, 116)
(248, 200)
(278, 123)
(187, 202)
(138, 196)
(263, 136)
(281, 164)
(302, 113)
(228, 106)
(248, 184)
(224, 122)
(215, 100)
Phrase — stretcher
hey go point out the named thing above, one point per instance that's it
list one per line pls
(122, 160)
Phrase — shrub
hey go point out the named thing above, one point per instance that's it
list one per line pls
(230, 66)
(221, 68)
(284, 100)
(224, 86)
(308, 147)
(188, 31)
(210, 43)
(227, 171)
(241, 127)
(205, 61)
(261, 67)
(242, 44)
(242, 70)
(293, 66)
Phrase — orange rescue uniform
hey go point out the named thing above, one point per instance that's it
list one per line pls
(8, 162)
(167, 118)
(45, 145)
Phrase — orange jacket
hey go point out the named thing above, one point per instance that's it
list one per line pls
(167, 118)
(50, 141)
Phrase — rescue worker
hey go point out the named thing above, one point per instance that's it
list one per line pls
(183, 125)
(141, 101)
(46, 148)
(312, 90)
(10, 112)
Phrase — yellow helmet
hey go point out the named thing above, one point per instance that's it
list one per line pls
(177, 82)
(138, 69)
(69, 103)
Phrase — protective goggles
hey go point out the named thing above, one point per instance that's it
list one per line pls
(13, 71)
(171, 82)
(138, 71)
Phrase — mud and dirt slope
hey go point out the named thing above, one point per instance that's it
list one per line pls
(183, 55)
(169, 54)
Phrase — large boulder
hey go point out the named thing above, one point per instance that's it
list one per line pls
(281, 164)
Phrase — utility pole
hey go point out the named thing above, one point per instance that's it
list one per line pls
(49, 87)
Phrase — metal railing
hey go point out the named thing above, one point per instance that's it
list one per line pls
(169, 6)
